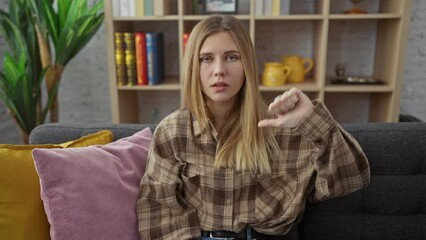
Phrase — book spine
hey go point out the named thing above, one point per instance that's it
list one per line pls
(154, 57)
(125, 8)
(185, 40)
(285, 7)
(129, 46)
(140, 8)
(149, 8)
(132, 8)
(141, 65)
(259, 8)
(159, 7)
(120, 59)
(267, 7)
(116, 8)
(276, 7)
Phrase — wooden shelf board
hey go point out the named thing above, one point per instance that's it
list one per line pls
(308, 86)
(365, 16)
(358, 88)
(292, 17)
(148, 18)
(200, 17)
(170, 84)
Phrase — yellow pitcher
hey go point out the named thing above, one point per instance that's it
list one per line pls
(275, 74)
(299, 67)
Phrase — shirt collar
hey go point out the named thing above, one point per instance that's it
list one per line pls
(197, 129)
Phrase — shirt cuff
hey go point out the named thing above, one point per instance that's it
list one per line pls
(317, 123)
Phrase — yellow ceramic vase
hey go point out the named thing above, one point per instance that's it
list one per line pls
(275, 74)
(299, 67)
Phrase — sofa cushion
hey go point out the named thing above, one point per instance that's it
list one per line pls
(22, 215)
(90, 193)
(393, 206)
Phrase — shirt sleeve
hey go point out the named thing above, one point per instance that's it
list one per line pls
(339, 162)
(162, 211)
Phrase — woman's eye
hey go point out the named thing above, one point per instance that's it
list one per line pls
(205, 59)
(232, 58)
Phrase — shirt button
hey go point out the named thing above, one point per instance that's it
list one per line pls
(228, 201)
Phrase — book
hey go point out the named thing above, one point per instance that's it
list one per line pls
(130, 56)
(285, 7)
(149, 7)
(116, 8)
(141, 65)
(185, 40)
(267, 7)
(276, 7)
(120, 64)
(139, 8)
(132, 8)
(125, 8)
(155, 57)
(159, 7)
(259, 8)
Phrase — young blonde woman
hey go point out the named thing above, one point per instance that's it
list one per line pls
(228, 166)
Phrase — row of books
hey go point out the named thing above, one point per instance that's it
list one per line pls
(140, 8)
(139, 58)
(272, 7)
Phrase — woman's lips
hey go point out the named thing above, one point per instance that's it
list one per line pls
(220, 86)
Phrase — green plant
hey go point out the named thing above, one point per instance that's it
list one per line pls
(31, 28)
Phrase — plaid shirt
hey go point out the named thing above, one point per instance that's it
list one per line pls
(182, 193)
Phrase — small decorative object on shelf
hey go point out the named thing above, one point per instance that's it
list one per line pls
(340, 70)
(275, 74)
(357, 80)
(299, 66)
(341, 77)
(356, 9)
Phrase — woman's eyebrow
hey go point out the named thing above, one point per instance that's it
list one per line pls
(226, 52)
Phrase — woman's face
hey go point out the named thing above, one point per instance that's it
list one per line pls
(221, 69)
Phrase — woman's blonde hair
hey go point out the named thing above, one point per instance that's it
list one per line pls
(242, 145)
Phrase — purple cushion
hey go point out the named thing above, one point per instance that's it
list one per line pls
(91, 192)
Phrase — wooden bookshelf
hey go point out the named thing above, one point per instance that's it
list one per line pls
(328, 36)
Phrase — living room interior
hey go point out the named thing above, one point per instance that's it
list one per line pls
(369, 68)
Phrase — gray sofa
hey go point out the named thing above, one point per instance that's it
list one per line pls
(393, 206)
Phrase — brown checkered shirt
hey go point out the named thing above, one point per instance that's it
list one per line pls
(182, 193)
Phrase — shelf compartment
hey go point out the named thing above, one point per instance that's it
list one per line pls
(377, 58)
(274, 39)
(156, 105)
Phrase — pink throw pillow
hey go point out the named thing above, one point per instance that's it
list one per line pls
(91, 192)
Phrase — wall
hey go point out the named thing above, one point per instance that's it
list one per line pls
(84, 90)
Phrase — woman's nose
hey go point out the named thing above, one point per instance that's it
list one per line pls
(219, 69)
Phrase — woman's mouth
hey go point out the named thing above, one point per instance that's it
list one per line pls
(220, 86)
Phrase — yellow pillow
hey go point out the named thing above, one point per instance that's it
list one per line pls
(22, 215)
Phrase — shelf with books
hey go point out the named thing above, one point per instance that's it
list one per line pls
(170, 84)
(315, 29)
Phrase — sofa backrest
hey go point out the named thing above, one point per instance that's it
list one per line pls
(393, 206)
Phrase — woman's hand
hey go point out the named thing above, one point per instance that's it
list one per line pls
(289, 108)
